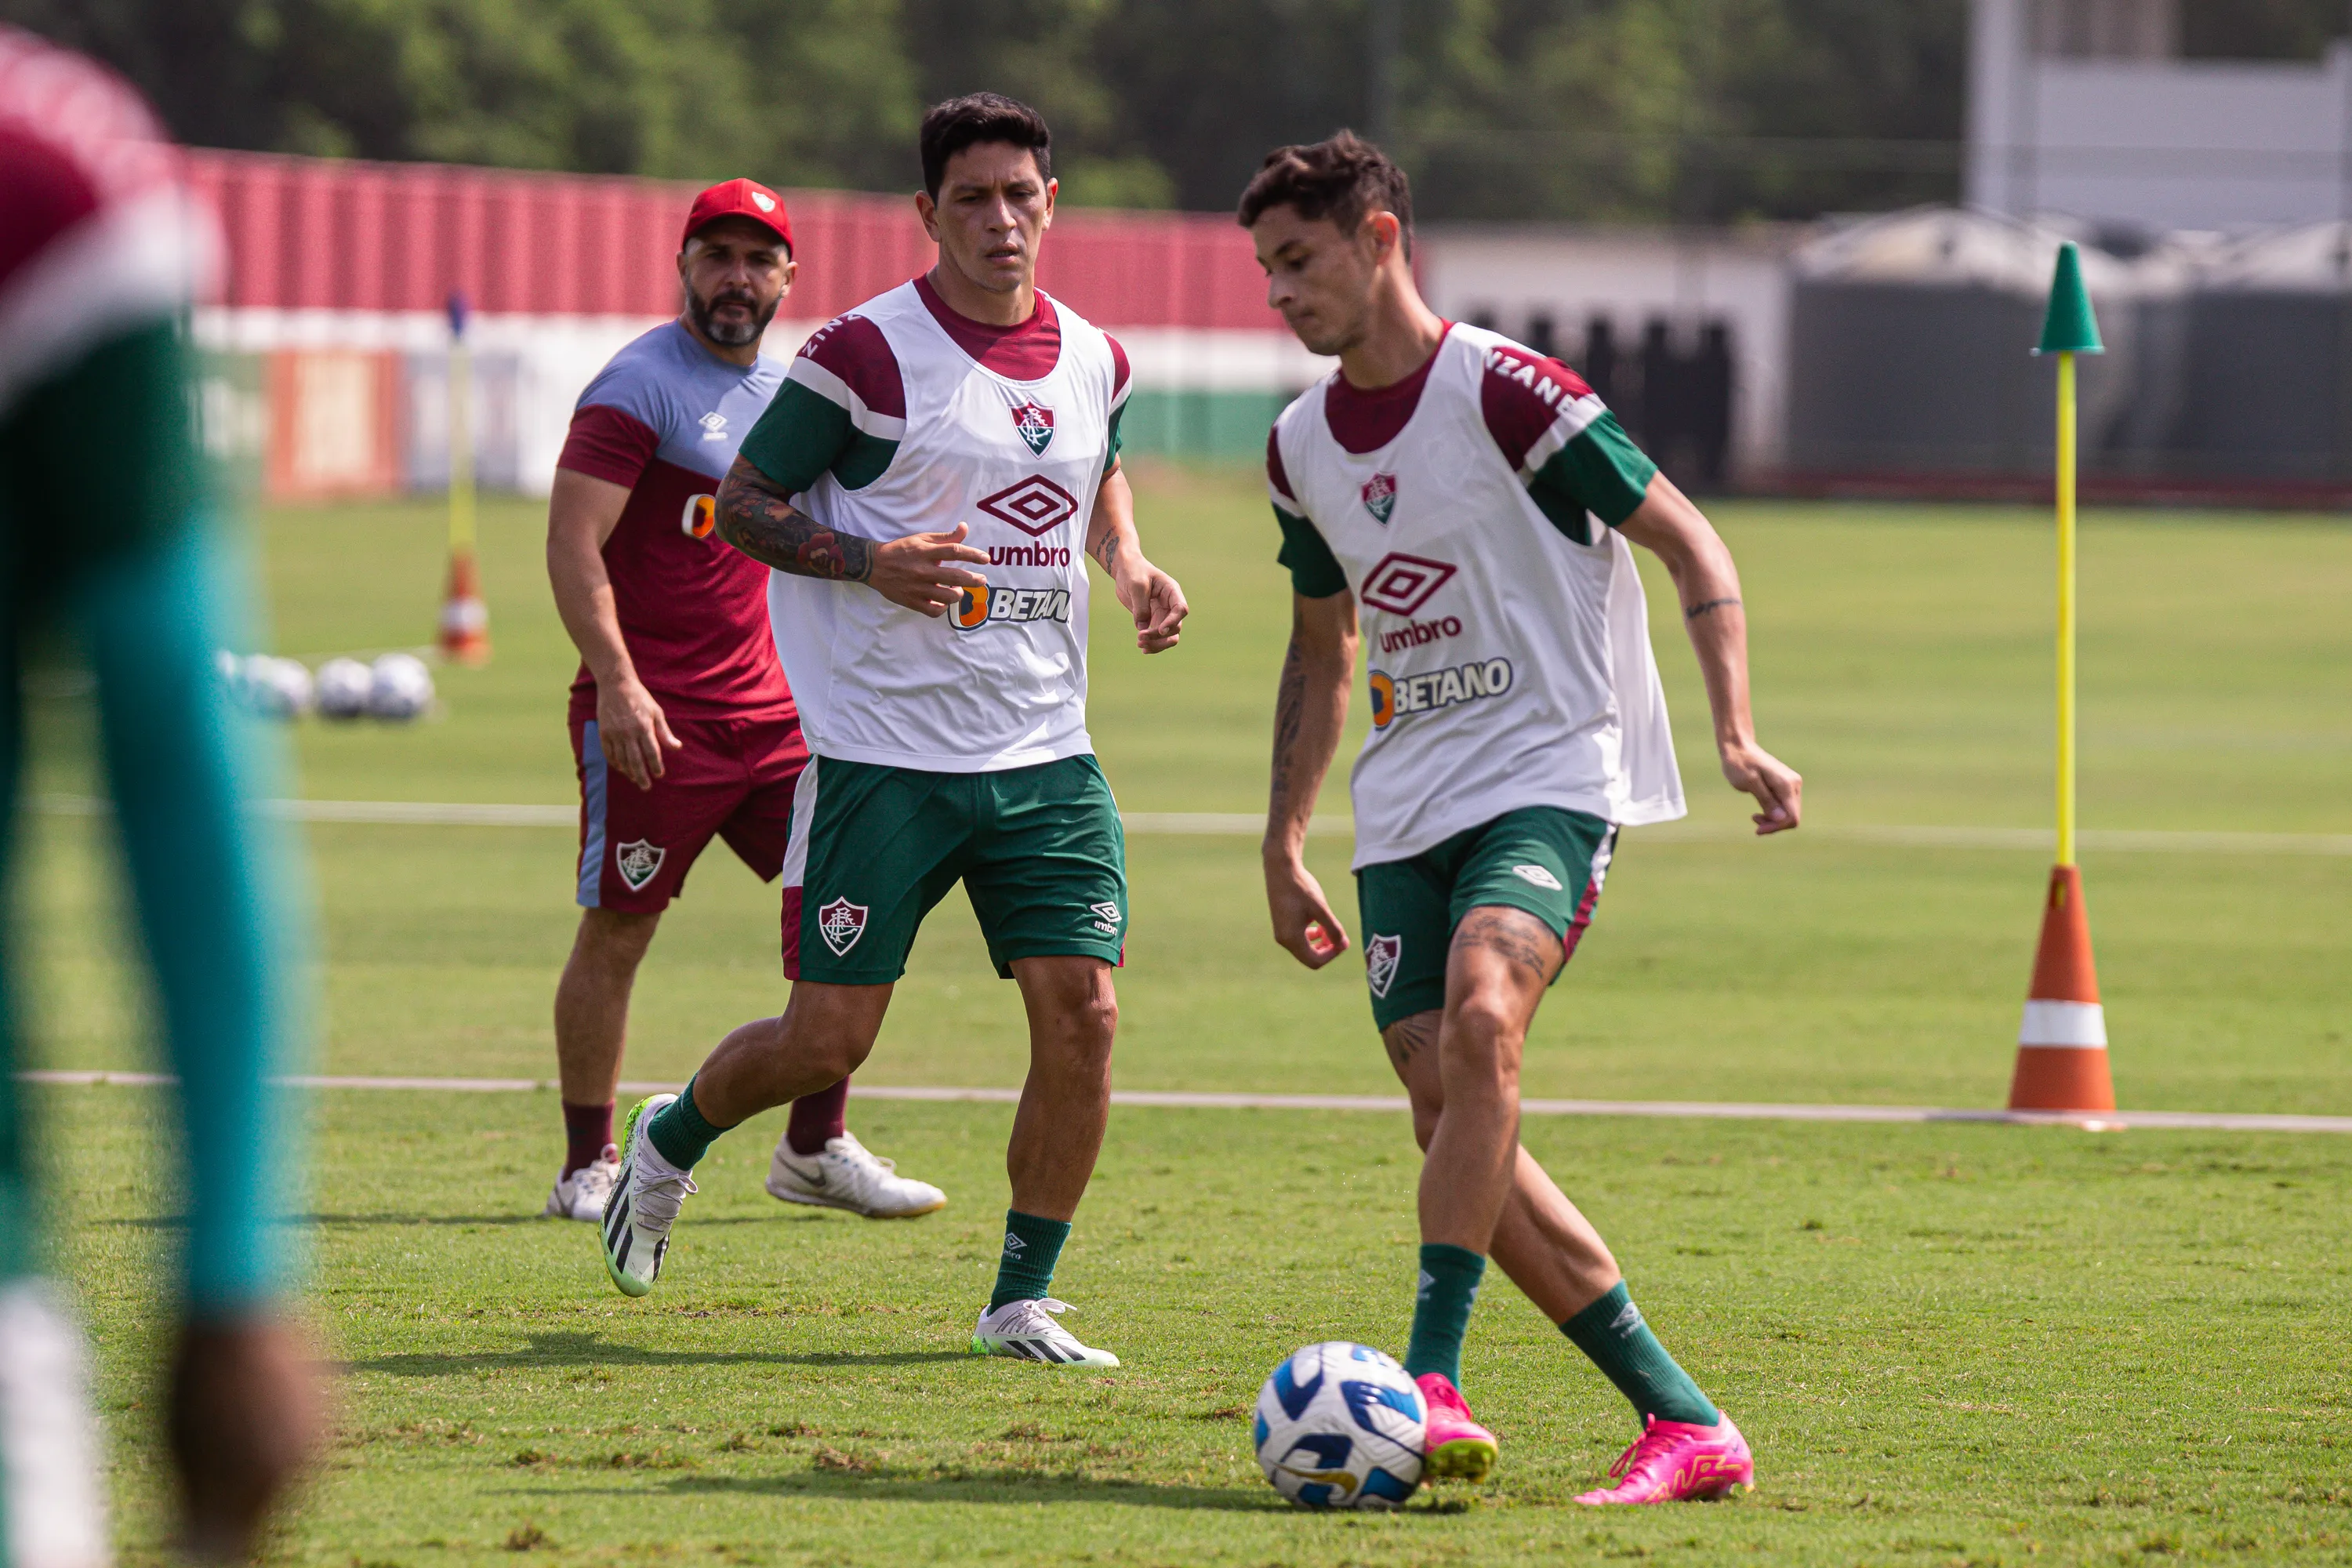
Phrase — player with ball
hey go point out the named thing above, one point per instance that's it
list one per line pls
(1473, 501)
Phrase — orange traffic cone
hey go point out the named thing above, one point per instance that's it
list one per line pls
(465, 619)
(2062, 1049)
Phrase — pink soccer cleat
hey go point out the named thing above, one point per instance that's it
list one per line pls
(1457, 1448)
(1672, 1460)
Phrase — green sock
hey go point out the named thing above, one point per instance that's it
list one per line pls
(1621, 1344)
(1441, 1309)
(680, 1132)
(1031, 1247)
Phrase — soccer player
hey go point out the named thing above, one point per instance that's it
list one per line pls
(108, 536)
(942, 686)
(682, 725)
(1473, 501)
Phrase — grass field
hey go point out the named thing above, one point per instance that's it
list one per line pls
(1949, 1345)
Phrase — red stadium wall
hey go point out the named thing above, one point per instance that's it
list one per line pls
(334, 235)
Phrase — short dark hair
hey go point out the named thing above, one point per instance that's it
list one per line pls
(1341, 179)
(949, 128)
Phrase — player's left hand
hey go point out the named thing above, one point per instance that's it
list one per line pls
(1157, 604)
(1778, 787)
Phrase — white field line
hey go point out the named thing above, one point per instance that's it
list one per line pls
(1247, 825)
(2195, 1121)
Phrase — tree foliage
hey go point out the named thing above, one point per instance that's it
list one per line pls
(1688, 109)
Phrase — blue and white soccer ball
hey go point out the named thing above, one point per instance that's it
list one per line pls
(273, 687)
(1342, 1425)
(344, 687)
(399, 686)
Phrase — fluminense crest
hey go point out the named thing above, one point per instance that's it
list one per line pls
(1033, 423)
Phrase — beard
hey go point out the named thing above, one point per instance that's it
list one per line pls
(733, 334)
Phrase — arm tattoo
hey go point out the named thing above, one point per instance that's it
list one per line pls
(1107, 551)
(1514, 934)
(1290, 717)
(1695, 611)
(762, 524)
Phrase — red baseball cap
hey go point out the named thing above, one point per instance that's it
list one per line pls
(740, 198)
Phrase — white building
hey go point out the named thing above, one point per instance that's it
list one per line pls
(2082, 108)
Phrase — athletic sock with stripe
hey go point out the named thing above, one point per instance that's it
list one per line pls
(681, 1133)
(1032, 1247)
(1441, 1309)
(1621, 1344)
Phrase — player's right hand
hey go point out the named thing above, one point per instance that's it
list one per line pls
(632, 730)
(1303, 922)
(245, 1417)
(918, 572)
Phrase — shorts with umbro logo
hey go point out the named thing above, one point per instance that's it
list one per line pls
(1039, 851)
(1548, 861)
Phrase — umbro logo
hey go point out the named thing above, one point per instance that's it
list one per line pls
(1036, 506)
(1401, 583)
(1627, 1320)
(1014, 1246)
(1106, 917)
(714, 426)
(1540, 874)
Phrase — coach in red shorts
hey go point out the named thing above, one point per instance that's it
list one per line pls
(681, 722)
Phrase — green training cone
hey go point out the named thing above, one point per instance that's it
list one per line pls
(2069, 327)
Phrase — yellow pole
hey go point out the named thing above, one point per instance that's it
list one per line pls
(461, 450)
(465, 619)
(2066, 609)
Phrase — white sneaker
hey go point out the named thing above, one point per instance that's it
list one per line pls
(847, 1176)
(646, 1193)
(583, 1194)
(1023, 1329)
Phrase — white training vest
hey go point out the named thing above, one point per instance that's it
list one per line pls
(1000, 682)
(1508, 665)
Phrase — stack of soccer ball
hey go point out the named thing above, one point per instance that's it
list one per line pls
(1342, 1425)
(397, 686)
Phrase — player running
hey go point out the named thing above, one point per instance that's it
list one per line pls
(1474, 500)
(109, 538)
(943, 688)
(682, 725)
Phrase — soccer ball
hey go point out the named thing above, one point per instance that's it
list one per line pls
(399, 686)
(1340, 1426)
(274, 688)
(343, 685)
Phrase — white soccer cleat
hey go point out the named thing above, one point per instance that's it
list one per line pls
(846, 1175)
(647, 1194)
(1025, 1330)
(583, 1194)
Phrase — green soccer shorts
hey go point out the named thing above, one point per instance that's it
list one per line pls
(1542, 859)
(1038, 849)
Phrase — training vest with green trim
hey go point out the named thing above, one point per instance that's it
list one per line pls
(899, 418)
(1472, 509)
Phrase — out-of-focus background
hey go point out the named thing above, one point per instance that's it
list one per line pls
(1795, 243)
